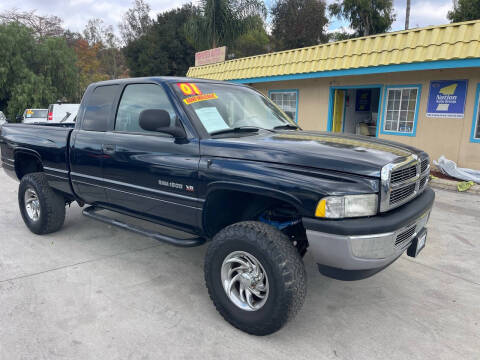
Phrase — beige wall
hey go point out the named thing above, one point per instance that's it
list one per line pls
(449, 137)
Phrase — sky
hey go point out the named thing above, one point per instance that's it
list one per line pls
(76, 13)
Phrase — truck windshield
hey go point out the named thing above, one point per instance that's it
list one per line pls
(221, 107)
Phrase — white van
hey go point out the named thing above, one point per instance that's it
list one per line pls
(62, 112)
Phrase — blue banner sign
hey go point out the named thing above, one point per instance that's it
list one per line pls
(447, 98)
(363, 100)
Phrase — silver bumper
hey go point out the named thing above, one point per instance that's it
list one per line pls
(363, 252)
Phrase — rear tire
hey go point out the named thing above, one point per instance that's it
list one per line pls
(42, 209)
(281, 294)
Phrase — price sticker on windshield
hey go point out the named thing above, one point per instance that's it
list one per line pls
(189, 89)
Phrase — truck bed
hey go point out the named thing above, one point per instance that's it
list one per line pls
(47, 142)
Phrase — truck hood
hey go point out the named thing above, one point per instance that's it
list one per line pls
(320, 150)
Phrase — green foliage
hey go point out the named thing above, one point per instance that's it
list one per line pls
(340, 36)
(221, 22)
(366, 17)
(33, 73)
(298, 23)
(465, 10)
(163, 49)
(255, 41)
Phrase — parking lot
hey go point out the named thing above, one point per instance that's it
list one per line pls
(92, 291)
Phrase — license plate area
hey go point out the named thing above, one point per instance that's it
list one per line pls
(417, 244)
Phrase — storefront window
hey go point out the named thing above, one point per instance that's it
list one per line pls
(400, 110)
(477, 132)
(287, 100)
(476, 118)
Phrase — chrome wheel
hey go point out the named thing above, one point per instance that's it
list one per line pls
(32, 204)
(244, 280)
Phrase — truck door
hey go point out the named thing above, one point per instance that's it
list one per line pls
(87, 152)
(151, 173)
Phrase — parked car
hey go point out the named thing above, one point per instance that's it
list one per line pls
(3, 118)
(31, 116)
(223, 163)
(62, 112)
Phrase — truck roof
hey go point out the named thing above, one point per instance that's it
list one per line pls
(161, 79)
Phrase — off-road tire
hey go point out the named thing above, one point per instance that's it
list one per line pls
(282, 263)
(52, 204)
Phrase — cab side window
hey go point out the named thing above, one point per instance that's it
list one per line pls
(99, 107)
(135, 99)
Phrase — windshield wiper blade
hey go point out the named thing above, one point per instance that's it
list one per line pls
(239, 129)
(286, 127)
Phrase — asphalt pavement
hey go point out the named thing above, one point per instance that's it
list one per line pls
(91, 291)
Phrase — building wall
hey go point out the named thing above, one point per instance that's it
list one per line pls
(449, 136)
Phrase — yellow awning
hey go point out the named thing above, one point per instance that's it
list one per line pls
(456, 41)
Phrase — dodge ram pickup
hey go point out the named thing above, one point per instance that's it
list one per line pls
(224, 164)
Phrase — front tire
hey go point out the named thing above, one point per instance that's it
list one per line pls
(42, 209)
(255, 277)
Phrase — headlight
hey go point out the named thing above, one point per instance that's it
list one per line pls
(337, 207)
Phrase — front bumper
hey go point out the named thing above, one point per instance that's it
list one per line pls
(369, 243)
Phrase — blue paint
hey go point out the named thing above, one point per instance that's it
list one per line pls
(415, 118)
(455, 104)
(475, 116)
(427, 65)
(346, 87)
(287, 90)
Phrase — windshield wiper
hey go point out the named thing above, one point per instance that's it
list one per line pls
(286, 127)
(239, 129)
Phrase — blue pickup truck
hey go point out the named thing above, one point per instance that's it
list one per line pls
(225, 164)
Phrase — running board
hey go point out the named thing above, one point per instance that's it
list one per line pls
(91, 212)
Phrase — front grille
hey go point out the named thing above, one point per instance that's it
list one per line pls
(398, 195)
(405, 236)
(403, 174)
(403, 181)
(424, 165)
(422, 182)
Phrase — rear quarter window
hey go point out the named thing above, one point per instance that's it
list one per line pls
(98, 108)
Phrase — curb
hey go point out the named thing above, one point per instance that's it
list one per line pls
(452, 186)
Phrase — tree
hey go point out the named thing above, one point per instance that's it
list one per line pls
(34, 73)
(298, 23)
(107, 46)
(221, 22)
(253, 42)
(164, 49)
(464, 11)
(366, 17)
(42, 26)
(88, 64)
(135, 22)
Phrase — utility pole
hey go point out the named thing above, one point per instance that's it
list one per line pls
(407, 15)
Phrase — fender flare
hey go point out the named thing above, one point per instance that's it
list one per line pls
(26, 151)
(254, 189)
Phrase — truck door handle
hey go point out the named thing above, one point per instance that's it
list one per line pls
(108, 148)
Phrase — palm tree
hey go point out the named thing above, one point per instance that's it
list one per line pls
(407, 16)
(220, 22)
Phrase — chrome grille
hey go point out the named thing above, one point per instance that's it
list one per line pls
(401, 182)
(403, 174)
(400, 194)
(423, 181)
(424, 165)
(405, 236)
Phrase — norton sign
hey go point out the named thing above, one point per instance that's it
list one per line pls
(447, 99)
(210, 56)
